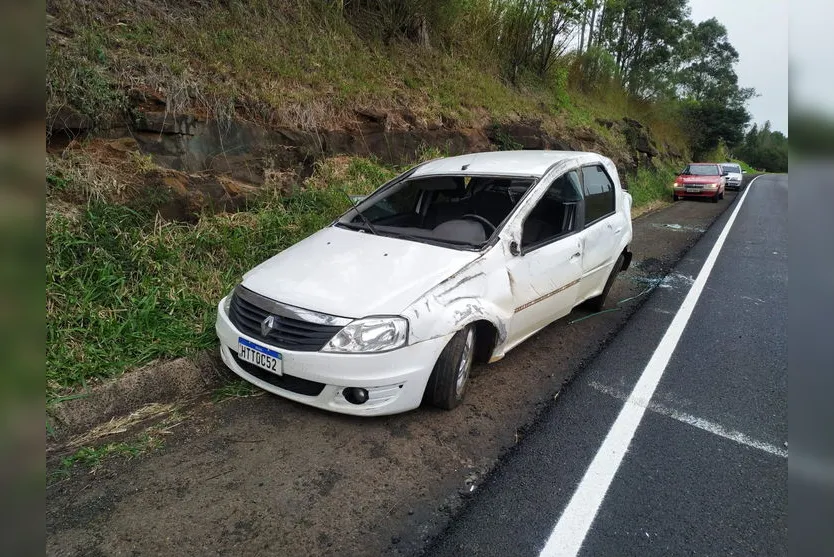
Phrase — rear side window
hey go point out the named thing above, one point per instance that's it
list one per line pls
(599, 193)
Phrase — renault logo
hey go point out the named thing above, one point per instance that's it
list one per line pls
(267, 325)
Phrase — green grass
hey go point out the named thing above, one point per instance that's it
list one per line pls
(236, 388)
(647, 186)
(123, 288)
(93, 457)
(301, 63)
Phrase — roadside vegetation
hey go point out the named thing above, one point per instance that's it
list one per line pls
(308, 62)
(125, 287)
(651, 189)
(765, 149)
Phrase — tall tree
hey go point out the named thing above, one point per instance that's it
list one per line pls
(709, 74)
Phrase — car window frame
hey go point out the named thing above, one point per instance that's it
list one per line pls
(580, 215)
(345, 222)
(613, 211)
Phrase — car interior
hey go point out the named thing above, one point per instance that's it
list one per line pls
(468, 209)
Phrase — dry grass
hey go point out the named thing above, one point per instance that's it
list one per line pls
(97, 170)
(649, 207)
(124, 424)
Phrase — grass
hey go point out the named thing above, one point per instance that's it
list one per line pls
(93, 457)
(236, 388)
(648, 186)
(316, 66)
(299, 63)
(124, 287)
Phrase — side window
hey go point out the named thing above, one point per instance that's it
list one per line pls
(555, 213)
(599, 193)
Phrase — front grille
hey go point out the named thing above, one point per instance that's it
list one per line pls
(286, 332)
(286, 382)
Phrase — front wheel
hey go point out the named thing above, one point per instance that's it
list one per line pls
(450, 375)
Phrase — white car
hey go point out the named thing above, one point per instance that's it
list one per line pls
(457, 260)
(732, 173)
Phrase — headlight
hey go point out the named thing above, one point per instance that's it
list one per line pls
(373, 334)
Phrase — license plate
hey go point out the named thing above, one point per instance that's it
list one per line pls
(260, 356)
(693, 190)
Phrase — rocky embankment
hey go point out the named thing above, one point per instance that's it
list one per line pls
(203, 162)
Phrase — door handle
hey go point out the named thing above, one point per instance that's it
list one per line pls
(576, 255)
(617, 231)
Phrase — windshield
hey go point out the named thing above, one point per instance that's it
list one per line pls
(731, 168)
(450, 210)
(701, 170)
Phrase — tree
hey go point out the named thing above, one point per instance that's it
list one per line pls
(764, 148)
(709, 74)
(642, 39)
(711, 122)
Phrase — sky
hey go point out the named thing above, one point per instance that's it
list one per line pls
(758, 29)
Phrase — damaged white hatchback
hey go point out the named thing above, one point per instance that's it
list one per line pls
(455, 261)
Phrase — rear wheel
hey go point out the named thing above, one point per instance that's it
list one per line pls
(598, 302)
(450, 376)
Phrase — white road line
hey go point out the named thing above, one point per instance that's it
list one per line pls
(569, 533)
(689, 419)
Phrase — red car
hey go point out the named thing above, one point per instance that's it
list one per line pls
(700, 180)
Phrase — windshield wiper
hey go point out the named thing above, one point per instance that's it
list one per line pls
(356, 208)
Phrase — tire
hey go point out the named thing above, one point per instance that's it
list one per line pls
(721, 195)
(598, 302)
(714, 198)
(675, 197)
(450, 376)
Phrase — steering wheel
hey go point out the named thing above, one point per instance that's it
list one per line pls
(489, 226)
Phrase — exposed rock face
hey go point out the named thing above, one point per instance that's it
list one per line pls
(638, 137)
(216, 163)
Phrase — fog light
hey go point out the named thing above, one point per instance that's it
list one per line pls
(355, 395)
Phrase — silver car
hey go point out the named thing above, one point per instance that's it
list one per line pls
(732, 173)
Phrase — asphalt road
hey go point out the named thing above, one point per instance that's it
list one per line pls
(262, 475)
(705, 472)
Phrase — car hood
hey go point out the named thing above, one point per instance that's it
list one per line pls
(353, 274)
(698, 179)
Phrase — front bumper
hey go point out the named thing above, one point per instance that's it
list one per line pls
(703, 192)
(395, 380)
(733, 184)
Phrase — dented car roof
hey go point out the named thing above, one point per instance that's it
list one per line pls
(497, 163)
